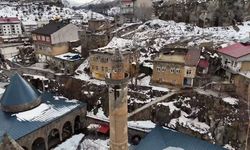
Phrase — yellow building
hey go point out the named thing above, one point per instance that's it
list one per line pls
(176, 67)
(101, 64)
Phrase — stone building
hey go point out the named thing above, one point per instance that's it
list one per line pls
(37, 120)
(117, 80)
(96, 35)
(101, 63)
(53, 39)
(176, 67)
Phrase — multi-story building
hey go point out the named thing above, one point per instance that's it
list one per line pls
(53, 39)
(29, 26)
(235, 59)
(10, 26)
(101, 64)
(176, 67)
(127, 11)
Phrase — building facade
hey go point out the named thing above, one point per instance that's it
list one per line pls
(10, 26)
(29, 26)
(100, 61)
(176, 67)
(127, 8)
(53, 39)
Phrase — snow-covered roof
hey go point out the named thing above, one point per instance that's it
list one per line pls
(20, 124)
(69, 56)
(29, 22)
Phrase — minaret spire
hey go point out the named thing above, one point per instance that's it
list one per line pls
(117, 81)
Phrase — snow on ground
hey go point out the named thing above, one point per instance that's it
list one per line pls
(97, 144)
(100, 114)
(148, 124)
(229, 147)
(84, 76)
(71, 143)
(231, 100)
(85, 2)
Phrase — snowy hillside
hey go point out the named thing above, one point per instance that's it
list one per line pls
(34, 12)
(85, 2)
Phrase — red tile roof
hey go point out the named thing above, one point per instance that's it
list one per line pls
(9, 20)
(192, 57)
(104, 129)
(236, 50)
(203, 63)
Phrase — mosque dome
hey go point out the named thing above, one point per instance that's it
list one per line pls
(19, 96)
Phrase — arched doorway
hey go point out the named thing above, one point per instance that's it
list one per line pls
(38, 144)
(53, 138)
(77, 125)
(67, 130)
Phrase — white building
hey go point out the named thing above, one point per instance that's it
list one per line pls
(10, 26)
(127, 11)
(29, 26)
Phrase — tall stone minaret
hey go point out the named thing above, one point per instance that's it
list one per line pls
(117, 81)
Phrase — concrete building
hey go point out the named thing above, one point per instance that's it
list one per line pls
(10, 26)
(29, 26)
(10, 50)
(37, 120)
(53, 39)
(235, 59)
(127, 8)
(100, 60)
(66, 63)
(176, 67)
(117, 80)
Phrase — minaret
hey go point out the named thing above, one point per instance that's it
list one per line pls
(117, 81)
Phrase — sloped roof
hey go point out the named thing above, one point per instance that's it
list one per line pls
(9, 20)
(236, 50)
(160, 138)
(19, 93)
(192, 57)
(20, 124)
(50, 28)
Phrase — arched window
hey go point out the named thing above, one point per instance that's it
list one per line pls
(53, 138)
(38, 144)
(67, 130)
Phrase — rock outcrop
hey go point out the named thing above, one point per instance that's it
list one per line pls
(204, 13)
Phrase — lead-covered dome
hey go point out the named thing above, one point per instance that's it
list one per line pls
(19, 96)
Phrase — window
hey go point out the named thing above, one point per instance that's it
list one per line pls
(177, 70)
(96, 67)
(172, 70)
(102, 68)
(106, 69)
(92, 67)
(163, 69)
(43, 38)
(189, 72)
(158, 69)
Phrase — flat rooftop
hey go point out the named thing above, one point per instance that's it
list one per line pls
(171, 58)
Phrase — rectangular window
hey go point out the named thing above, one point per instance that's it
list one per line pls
(172, 70)
(102, 68)
(177, 70)
(158, 69)
(106, 69)
(163, 69)
(189, 72)
(96, 68)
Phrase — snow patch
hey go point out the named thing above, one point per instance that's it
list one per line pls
(231, 100)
